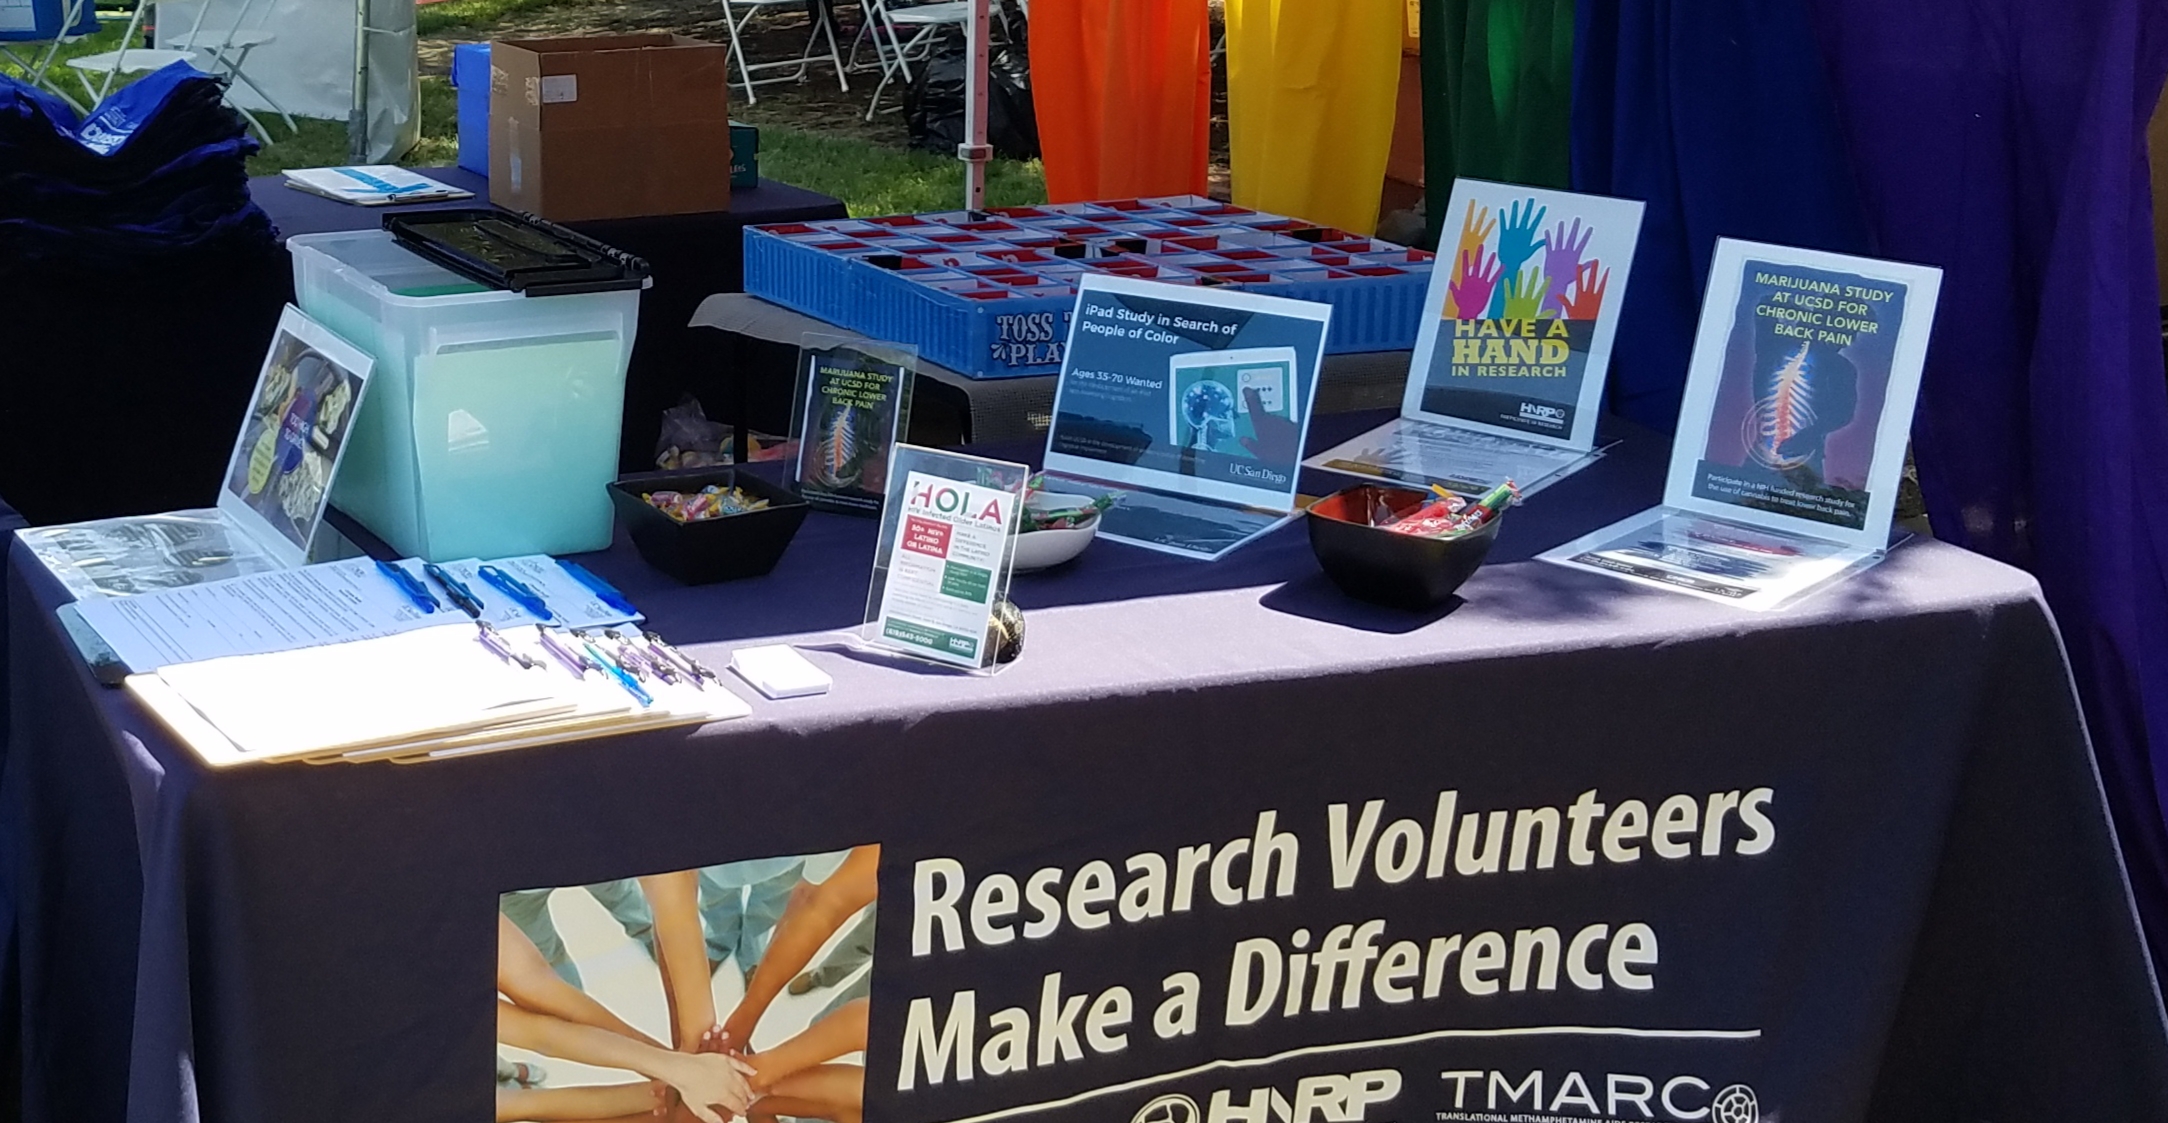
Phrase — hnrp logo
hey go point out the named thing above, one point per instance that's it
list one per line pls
(1329, 1098)
(1542, 414)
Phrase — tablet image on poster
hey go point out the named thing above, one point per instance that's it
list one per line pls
(1199, 396)
(1798, 406)
(742, 986)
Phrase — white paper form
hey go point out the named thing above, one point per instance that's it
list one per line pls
(260, 613)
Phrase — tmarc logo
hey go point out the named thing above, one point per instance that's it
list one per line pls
(1735, 1104)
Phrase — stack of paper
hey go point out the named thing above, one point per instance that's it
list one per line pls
(418, 695)
(373, 186)
(331, 603)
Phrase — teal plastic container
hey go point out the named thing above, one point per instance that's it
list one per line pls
(491, 422)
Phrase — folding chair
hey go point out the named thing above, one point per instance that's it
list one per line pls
(227, 53)
(896, 54)
(209, 51)
(823, 25)
(32, 33)
(127, 60)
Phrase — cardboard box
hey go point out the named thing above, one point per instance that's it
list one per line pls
(609, 126)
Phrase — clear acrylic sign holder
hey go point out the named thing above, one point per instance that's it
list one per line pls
(942, 564)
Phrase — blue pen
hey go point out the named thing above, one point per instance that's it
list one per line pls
(415, 591)
(614, 671)
(603, 590)
(458, 592)
(516, 589)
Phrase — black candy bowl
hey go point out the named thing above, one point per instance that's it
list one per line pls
(747, 544)
(1398, 570)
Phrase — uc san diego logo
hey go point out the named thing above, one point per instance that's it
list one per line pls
(1176, 1109)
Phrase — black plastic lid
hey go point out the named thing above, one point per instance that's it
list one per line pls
(513, 250)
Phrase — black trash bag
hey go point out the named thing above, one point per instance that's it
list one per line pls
(933, 106)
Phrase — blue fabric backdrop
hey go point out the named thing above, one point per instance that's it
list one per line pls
(2004, 141)
(1718, 114)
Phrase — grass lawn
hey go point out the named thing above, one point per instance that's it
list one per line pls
(874, 179)
(472, 15)
(871, 179)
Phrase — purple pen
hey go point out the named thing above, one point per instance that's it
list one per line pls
(691, 665)
(572, 659)
(503, 650)
(627, 659)
(661, 655)
(664, 669)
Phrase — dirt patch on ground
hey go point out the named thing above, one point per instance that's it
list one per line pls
(817, 103)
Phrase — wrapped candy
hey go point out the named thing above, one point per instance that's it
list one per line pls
(710, 502)
(1449, 515)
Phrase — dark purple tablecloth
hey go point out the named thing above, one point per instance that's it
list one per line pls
(1944, 932)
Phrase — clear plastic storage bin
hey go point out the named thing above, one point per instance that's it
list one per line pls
(491, 422)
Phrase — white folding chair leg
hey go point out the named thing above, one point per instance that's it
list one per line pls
(254, 125)
(890, 58)
(827, 26)
(38, 68)
(737, 51)
(900, 64)
(233, 67)
(127, 39)
(865, 34)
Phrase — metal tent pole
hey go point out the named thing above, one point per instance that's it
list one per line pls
(974, 151)
(357, 120)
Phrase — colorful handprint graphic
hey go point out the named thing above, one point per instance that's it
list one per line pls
(1517, 242)
(1544, 273)
(1589, 283)
(1524, 294)
(1476, 228)
(1473, 284)
(1562, 250)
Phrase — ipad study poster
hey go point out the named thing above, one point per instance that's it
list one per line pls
(1210, 387)
(1806, 376)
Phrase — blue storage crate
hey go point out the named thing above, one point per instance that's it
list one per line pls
(991, 297)
(470, 76)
